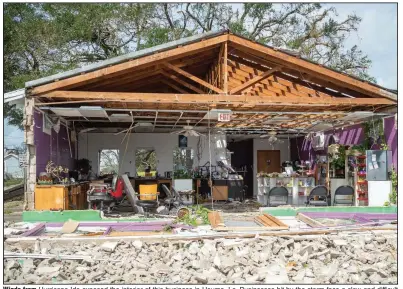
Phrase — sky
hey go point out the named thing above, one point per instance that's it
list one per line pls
(376, 37)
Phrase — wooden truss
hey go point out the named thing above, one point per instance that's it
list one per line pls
(225, 71)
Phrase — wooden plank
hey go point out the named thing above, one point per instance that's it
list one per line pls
(215, 219)
(310, 68)
(69, 227)
(214, 98)
(143, 62)
(267, 222)
(255, 228)
(143, 233)
(184, 83)
(225, 72)
(192, 77)
(175, 87)
(254, 80)
(275, 220)
(309, 221)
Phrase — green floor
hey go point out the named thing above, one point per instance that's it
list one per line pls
(293, 211)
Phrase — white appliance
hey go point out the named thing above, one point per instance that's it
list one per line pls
(378, 193)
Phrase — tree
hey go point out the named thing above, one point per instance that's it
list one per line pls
(42, 39)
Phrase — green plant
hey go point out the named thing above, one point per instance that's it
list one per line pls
(197, 213)
(374, 134)
(393, 195)
(339, 159)
(83, 166)
(182, 174)
(360, 148)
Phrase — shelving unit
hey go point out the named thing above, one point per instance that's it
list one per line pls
(298, 188)
(357, 179)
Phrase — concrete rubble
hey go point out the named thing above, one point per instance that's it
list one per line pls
(363, 258)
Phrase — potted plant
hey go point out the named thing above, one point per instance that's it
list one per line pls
(338, 158)
(58, 173)
(357, 150)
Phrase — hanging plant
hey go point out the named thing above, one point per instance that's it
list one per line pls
(374, 134)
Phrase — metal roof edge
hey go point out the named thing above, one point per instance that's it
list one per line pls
(14, 95)
(123, 58)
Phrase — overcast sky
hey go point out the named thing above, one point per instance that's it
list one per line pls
(376, 37)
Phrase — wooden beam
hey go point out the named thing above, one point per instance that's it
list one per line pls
(310, 68)
(175, 87)
(192, 77)
(215, 99)
(254, 80)
(225, 72)
(309, 221)
(143, 62)
(184, 83)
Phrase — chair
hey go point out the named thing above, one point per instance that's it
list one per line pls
(347, 196)
(318, 197)
(170, 199)
(278, 196)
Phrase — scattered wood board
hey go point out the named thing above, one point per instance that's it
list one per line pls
(256, 228)
(309, 221)
(69, 227)
(111, 234)
(270, 221)
(215, 219)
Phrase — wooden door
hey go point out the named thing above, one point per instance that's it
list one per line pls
(268, 161)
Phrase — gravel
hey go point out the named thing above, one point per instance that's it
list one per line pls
(354, 259)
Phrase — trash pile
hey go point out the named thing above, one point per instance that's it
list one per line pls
(359, 258)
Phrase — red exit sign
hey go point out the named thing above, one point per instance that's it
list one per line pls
(225, 117)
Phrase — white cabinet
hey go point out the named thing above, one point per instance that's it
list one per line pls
(378, 192)
(183, 185)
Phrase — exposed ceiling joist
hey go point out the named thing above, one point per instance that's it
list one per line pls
(214, 99)
(310, 68)
(182, 82)
(254, 80)
(192, 77)
(143, 62)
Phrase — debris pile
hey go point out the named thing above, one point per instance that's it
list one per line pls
(336, 259)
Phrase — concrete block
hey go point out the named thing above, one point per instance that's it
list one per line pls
(109, 246)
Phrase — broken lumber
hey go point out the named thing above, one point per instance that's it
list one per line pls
(215, 219)
(309, 221)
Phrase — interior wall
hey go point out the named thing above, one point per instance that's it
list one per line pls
(352, 135)
(54, 147)
(262, 144)
(89, 144)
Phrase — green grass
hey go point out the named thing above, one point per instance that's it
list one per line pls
(12, 182)
(7, 211)
(13, 204)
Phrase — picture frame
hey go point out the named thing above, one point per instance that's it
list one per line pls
(183, 141)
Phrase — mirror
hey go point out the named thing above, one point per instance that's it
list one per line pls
(183, 162)
(108, 161)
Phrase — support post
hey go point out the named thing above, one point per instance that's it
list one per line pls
(225, 74)
(30, 176)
